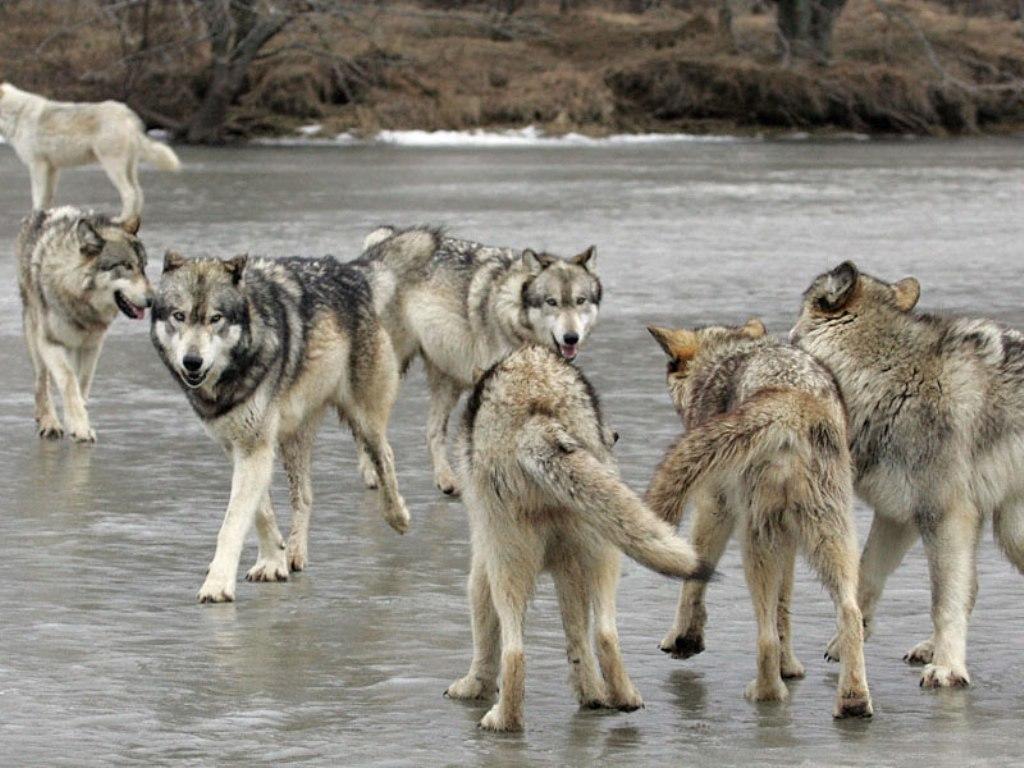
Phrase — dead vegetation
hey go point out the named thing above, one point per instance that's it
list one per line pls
(898, 66)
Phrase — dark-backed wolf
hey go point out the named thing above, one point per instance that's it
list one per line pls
(50, 135)
(765, 451)
(543, 493)
(470, 305)
(262, 348)
(937, 436)
(76, 271)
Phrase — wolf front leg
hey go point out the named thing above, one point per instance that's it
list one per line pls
(250, 482)
(56, 360)
(44, 184)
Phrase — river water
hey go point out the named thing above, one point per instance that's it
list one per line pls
(106, 658)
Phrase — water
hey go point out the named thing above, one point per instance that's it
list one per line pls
(105, 658)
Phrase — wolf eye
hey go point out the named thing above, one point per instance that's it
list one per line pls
(179, 316)
(551, 301)
(581, 300)
(215, 317)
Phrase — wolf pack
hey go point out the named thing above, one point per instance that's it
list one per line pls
(921, 416)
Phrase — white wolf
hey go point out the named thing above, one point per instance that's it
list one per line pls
(50, 135)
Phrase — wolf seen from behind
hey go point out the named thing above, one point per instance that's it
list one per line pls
(765, 454)
(543, 493)
(469, 305)
(262, 348)
(937, 436)
(76, 271)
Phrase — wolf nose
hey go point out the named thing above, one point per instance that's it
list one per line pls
(571, 338)
(192, 363)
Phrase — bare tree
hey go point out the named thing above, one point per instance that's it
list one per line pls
(805, 28)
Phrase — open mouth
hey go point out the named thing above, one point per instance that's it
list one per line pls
(131, 309)
(193, 380)
(569, 351)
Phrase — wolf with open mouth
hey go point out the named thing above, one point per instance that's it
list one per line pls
(470, 305)
(76, 271)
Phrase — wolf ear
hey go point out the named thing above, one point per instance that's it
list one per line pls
(379, 235)
(587, 259)
(132, 225)
(173, 260)
(90, 241)
(537, 262)
(838, 287)
(907, 291)
(236, 267)
(754, 328)
(678, 344)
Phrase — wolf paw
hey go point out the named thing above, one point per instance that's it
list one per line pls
(274, 568)
(832, 649)
(938, 676)
(791, 668)
(774, 691)
(921, 653)
(83, 435)
(49, 428)
(398, 517)
(471, 687)
(445, 481)
(370, 478)
(496, 720)
(626, 701)
(680, 646)
(297, 557)
(216, 590)
(853, 703)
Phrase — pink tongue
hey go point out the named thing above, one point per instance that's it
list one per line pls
(568, 351)
(138, 312)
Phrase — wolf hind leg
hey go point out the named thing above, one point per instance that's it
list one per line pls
(444, 396)
(482, 679)
(572, 585)
(829, 540)
(789, 665)
(764, 572)
(951, 547)
(1008, 527)
(271, 563)
(297, 455)
(710, 531)
(118, 168)
(622, 694)
(47, 421)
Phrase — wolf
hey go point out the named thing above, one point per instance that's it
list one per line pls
(50, 135)
(543, 493)
(76, 270)
(765, 451)
(469, 305)
(262, 348)
(937, 437)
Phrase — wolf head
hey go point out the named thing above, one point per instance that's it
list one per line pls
(562, 298)
(113, 261)
(200, 316)
(845, 294)
(684, 347)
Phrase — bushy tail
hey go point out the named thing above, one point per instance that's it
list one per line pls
(764, 427)
(160, 155)
(571, 474)
(391, 256)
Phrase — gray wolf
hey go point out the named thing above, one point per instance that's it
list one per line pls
(50, 135)
(470, 305)
(262, 348)
(543, 493)
(937, 436)
(765, 451)
(76, 271)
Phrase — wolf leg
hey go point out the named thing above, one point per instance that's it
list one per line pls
(48, 424)
(444, 396)
(117, 168)
(88, 357)
(572, 585)
(888, 542)
(789, 664)
(271, 563)
(482, 679)
(830, 541)
(44, 184)
(764, 571)
(710, 531)
(1008, 526)
(297, 454)
(55, 359)
(512, 577)
(366, 470)
(622, 694)
(951, 546)
(250, 482)
(133, 179)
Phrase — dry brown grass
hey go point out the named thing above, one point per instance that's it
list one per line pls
(596, 70)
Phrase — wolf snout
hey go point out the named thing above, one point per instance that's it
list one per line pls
(192, 363)
(571, 339)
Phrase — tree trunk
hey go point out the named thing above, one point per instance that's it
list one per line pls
(805, 28)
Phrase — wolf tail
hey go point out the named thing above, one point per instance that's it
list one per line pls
(392, 255)
(568, 471)
(767, 426)
(159, 154)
